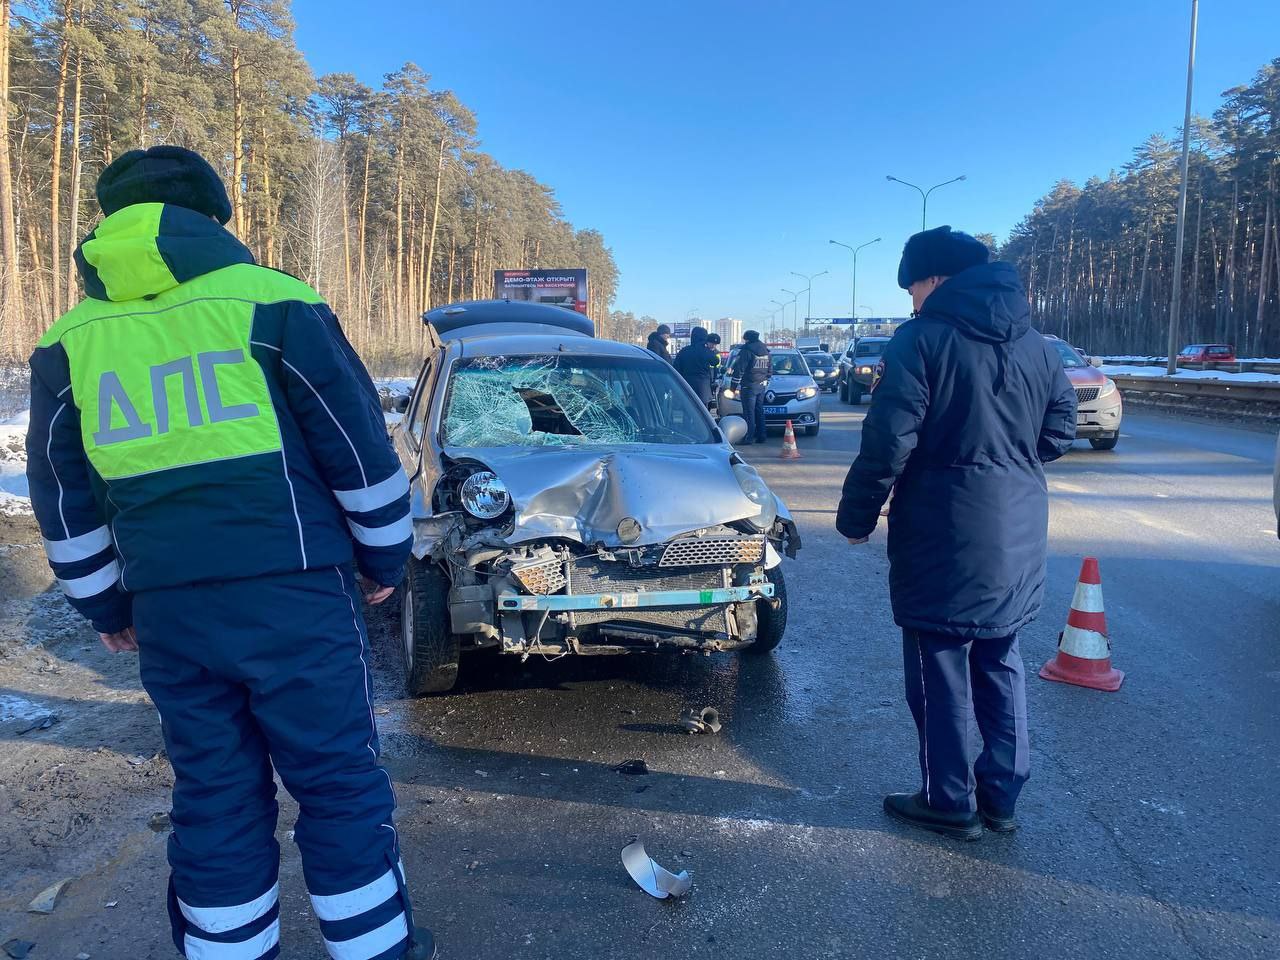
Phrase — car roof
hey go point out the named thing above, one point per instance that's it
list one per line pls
(467, 318)
(525, 344)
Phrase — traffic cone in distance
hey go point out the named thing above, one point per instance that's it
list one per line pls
(1084, 649)
(789, 449)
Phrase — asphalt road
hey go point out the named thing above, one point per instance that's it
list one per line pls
(1149, 827)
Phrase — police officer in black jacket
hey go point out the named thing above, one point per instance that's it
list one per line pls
(697, 361)
(972, 403)
(748, 377)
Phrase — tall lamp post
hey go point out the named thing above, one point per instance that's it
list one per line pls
(808, 310)
(863, 306)
(853, 300)
(795, 295)
(1175, 304)
(924, 194)
(773, 315)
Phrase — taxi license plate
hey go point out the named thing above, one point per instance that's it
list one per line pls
(774, 411)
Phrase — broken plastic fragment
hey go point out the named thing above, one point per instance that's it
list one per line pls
(46, 899)
(637, 767)
(706, 720)
(651, 877)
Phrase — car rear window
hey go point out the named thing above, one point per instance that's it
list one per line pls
(871, 349)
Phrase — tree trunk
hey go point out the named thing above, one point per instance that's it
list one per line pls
(12, 306)
(55, 164)
(73, 228)
(268, 201)
(1193, 297)
(345, 200)
(435, 219)
(1264, 268)
(362, 276)
(237, 130)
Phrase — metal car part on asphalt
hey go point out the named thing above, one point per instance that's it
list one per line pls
(651, 877)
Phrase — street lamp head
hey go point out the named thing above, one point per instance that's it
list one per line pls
(962, 177)
(890, 177)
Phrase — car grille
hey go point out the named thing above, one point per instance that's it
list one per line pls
(712, 551)
(779, 399)
(541, 576)
(1086, 394)
(598, 576)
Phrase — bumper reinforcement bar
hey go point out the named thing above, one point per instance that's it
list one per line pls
(629, 601)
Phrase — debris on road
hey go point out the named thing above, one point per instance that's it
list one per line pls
(46, 899)
(651, 877)
(43, 722)
(635, 768)
(160, 822)
(706, 720)
(18, 949)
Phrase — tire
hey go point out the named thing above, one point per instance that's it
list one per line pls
(1104, 443)
(429, 649)
(771, 623)
(812, 429)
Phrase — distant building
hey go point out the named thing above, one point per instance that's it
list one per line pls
(730, 330)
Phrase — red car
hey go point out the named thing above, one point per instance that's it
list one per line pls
(1207, 353)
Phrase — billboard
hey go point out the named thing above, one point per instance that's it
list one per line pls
(565, 288)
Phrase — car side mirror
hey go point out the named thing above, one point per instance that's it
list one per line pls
(733, 428)
(1095, 361)
(400, 404)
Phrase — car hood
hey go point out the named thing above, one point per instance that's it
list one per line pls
(1086, 377)
(584, 494)
(789, 383)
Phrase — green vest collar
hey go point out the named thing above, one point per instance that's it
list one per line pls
(147, 248)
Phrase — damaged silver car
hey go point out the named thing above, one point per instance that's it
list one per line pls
(572, 496)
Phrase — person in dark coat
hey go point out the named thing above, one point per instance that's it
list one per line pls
(696, 363)
(972, 403)
(748, 378)
(658, 342)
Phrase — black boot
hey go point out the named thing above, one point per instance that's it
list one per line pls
(910, 808)
(997, 821)
(424, 945)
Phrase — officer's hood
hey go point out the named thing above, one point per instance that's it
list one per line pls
(147, 248)
(986, 303)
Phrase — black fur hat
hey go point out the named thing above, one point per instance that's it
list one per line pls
(940, 252)
(164, 175)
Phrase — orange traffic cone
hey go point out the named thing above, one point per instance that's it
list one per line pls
(789, 449)
(1084, 650)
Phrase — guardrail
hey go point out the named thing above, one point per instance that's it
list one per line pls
(1235, 366)
(1264, 392)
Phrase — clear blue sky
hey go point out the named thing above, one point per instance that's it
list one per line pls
(719, 144)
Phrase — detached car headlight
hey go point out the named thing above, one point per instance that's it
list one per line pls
(758, 492)
(484, 495)
(1108, 388)
(804, 393)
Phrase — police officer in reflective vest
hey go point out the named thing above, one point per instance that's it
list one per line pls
(208, 462)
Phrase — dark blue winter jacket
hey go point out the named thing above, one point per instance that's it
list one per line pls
(972, 403)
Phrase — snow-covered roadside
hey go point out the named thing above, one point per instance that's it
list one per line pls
(1131, 359)
(14, 494)
(1124, 370)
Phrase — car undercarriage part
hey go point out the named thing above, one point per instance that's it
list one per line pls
(706, 720)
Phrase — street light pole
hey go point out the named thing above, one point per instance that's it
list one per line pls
(795, 295)
(781, 306)
(808, 310)
(924, 195)
(853, 300)
(1175, 304)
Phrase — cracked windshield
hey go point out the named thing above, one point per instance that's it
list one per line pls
(562, 401)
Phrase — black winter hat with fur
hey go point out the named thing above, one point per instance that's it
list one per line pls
(164, 174)
(940, 252)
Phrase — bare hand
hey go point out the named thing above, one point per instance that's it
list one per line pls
(374, 593)
(124, 641)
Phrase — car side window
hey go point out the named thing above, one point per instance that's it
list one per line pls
(420, 407)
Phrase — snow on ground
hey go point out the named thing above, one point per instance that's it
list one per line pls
(14, 493)
(1122, 370)
(1132, 359)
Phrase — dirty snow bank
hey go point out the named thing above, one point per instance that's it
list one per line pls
(14, 493)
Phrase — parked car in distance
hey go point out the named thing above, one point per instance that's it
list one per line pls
(535, 451)
(823, 367)
(858, 367)
(1099, 407)
(791, 393)
(1207, 353)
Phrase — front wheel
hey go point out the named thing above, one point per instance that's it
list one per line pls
(1104, 443)
(430, 650)
(771, 621)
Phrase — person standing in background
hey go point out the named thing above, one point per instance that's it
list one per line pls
(659, 342)
(697, 362)
(748, 378)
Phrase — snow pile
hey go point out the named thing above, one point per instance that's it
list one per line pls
(1121, 370)
(14, 493)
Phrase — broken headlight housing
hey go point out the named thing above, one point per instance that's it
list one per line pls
(758, 492)
(484, 495)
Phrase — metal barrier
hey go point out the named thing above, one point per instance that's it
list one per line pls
(1235, 366)
(1264, 392)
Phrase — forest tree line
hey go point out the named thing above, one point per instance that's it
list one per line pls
(379, 198)
(1098, 260)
